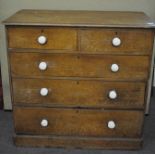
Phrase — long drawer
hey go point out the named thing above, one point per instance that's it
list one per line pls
(109, 67)
(78, 93)
(74, 122)
(116, 41)
(42, 38)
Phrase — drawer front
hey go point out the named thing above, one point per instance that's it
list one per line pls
(132, 41)
(78, 93)
(73, 122)
(42, 38)
(74, 65)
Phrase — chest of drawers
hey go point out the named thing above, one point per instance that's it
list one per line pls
(79, 78)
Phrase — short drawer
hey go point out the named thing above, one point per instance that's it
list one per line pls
(78, 93)
(74, 122)
(116, 41)
(109, 67)
(42, 38)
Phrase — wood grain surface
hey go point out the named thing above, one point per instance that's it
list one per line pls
(77, 142)
(57, 38)
(78, 93)
(78, 122)
(81, 18)
(132, 41)
(79, 65)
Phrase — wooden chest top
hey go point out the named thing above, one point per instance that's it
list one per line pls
(81, 18)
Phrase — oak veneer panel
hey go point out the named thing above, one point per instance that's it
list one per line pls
(132, 41)
(78, 93)
(74, 122)
(57, 38)
(77, 142)
(81, 18)
(76, 65)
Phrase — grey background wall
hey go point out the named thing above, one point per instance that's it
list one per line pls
(8, 7)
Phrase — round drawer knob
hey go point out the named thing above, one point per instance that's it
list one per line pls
(42, 65)
(43, 91)
(114, 68)
(116, 41)
(111, 125)
(42, 40)
(112, 94)
(44, 123)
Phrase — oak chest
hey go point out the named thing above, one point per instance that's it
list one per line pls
(79, 78)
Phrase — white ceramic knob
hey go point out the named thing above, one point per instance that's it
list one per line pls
(42, 65)
(44, 123)
(111, 124)
(114, 68)
(42, 40)
(112, 94)
(43, 91)
(116, 41)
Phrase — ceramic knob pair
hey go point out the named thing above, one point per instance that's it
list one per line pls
(43, 40)
(43, 66)
(111, 123)
(112, 94)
